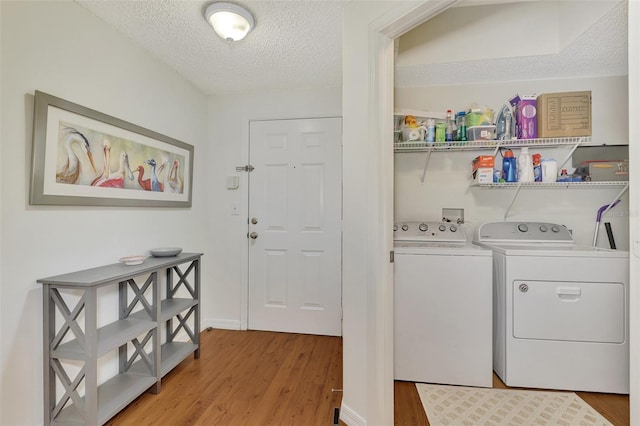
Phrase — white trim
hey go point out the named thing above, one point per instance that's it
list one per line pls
(244, 274)
(271, 117)
(634, 202)
(379, 272)
(350, 417)
(396, 22)
(223, 324)
(402, 20)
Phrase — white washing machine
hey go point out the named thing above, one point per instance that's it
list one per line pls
(442, 306)
(561, 318)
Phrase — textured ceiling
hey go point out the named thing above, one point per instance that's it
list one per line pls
(294, 43)
(298, 44)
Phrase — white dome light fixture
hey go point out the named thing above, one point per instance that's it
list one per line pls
(230, 21)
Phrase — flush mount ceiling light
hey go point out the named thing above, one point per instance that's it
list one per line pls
(230, 21)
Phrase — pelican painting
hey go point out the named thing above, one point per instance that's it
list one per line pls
(174, 182)
(115, 179)
(71, 170)
(68, 169)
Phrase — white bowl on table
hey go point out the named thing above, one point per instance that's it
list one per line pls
(165, 251)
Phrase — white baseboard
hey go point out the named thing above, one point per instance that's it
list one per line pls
(350, 417)
(220, 323)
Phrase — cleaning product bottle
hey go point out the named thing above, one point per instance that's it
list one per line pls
(461, 134)
(440, 132)
(431, 130)
(448, 134)
(525, 166)
(537, 168)
(509, 167)
(549, 169)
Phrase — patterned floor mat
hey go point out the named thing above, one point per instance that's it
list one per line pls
(461, 406)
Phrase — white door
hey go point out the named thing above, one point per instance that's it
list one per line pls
(295, 194)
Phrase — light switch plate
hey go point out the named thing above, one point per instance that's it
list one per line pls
(233, 182)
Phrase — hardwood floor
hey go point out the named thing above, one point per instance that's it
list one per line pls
(247, 378)
(265, 378)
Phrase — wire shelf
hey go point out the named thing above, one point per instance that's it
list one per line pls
(493, 144)
(527, 185)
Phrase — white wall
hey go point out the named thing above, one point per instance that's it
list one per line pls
(228, 119)
(60, 48)
(448, 174)
(367, 384)
(480, 33)
(497, 31)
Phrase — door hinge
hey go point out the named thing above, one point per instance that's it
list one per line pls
(248, 168)
(391, 256)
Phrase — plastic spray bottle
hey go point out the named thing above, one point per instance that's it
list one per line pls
(537, 168)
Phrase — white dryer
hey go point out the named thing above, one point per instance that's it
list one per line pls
(442, 306)
(561, 318)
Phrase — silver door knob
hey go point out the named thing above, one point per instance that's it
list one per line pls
(253, 235)
(254, 220)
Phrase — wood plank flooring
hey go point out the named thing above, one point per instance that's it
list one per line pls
(247, 378)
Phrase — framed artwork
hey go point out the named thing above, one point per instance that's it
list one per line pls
(83, 157)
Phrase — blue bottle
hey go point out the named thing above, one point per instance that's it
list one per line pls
(509, 167)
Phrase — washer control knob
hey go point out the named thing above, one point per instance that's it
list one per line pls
(453, 228)
(543, 228)
(423, 227)
(523, 227)
(442, 228)
(395, 227)
(405, 227)
(555, 228)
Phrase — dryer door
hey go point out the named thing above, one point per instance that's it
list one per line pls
(569, 311)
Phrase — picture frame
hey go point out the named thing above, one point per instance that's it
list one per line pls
(82, 157)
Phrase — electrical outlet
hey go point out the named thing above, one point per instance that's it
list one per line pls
(453, 215)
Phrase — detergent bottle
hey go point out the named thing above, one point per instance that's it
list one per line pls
(525, 166)
(509, 167)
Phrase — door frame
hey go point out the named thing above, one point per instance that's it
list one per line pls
(244, 184)
(633, 58)
(381, 35)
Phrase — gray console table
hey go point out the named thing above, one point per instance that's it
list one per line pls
(145, 353)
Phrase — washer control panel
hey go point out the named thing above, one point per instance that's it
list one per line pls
(429, 231)
(523, 232)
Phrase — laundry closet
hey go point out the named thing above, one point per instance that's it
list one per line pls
(486, 54)
(475, 57)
